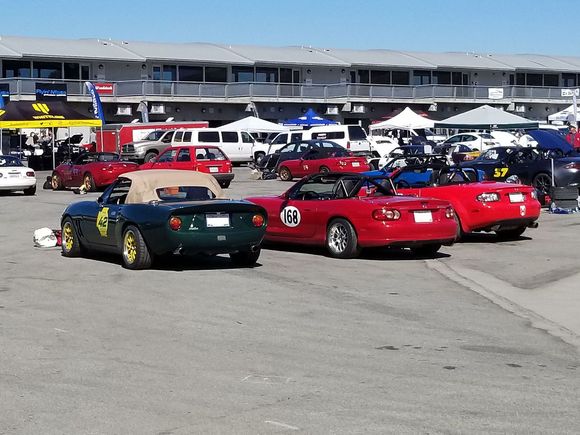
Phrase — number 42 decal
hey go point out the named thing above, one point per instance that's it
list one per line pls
(500, 172)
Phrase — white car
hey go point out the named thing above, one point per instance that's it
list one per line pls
(505, 138)
(15, 176)
(475, 141)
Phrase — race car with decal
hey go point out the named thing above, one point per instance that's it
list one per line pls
(348, 212)
(553, 160)
(505, 208)
(320, 160)
(152, 213)
(91, 170)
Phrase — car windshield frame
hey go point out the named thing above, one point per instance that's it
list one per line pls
(376, 185)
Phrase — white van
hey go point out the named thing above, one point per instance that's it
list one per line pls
(351, 137)
(236, 144)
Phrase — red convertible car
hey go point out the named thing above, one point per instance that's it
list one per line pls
(321, 160)
(505, 208)
(91, 170)
(209, 159)
(347, 212)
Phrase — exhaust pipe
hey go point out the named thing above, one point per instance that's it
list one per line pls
(533, 225)
(254, 248)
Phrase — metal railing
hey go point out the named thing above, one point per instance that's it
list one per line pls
(326, 92)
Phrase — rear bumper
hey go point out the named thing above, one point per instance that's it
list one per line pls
(17, 183)
(407, 234)
(488, 217)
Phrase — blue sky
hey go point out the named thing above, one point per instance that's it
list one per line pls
(506, 26)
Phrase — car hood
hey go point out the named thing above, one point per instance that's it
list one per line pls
(550, 140)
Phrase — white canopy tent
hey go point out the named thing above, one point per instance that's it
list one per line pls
(406, 120)
(565, 115)
(251, 124)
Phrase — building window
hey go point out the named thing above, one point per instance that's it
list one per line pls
(568, 80)
(216, 74)
(441, 77)
(169, 73)
(456, 78)
(190, 73)
(379, 77)
(551, 80)
(47, 70)
(534, 79)
(85, 72)
(363, 75)
(15, 68)
(520, 79)
(267, 75)
(243, 73)
(71, 71)
(285, 75)
(400, 77)
(421, 77)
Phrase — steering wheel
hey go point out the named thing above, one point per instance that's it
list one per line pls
(309, 194)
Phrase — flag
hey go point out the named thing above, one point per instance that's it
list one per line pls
(144, 111)
(97, 107)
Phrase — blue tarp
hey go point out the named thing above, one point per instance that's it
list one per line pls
(309, 119)
(550, 140)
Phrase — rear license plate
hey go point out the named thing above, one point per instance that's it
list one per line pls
(217, 220)
(516, 197)
(355, 164)
(13, 175)
(213, 169)
(423, 216)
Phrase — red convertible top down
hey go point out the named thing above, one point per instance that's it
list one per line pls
(347, 212)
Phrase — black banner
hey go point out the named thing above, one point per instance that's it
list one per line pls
(5, 91)
(50, 91)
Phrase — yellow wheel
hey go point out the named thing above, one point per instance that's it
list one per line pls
(71, 245)
(135, 252)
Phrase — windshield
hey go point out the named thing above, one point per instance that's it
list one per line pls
(495, 153)
(486, 136)
(356, 133)
(6, 161)
(154, 135)
(108, 157)
(337, 186)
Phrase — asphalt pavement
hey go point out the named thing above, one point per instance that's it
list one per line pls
(481, 339)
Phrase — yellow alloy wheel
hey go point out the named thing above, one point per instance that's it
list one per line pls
(68, 235)
(130, 247)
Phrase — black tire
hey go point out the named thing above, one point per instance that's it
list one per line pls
(56, 182)
(89, 182)
(245, 258)
(134, 250)
(542, 182)
(225, 184)
(71, 245)
(324, 170)
(259, 156)
(30, 191)
(285, 174)
(149, 156)
(341, 239)
(460, 233)
(512, 234)
(426, 251)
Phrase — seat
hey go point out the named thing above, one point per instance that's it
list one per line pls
(200, 156)
(210, 156)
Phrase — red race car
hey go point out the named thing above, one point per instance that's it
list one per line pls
(506, 208)
(91, 170)
(209, 159)
(321, 160)
(347, 212)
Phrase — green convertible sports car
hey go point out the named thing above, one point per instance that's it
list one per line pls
(150, 213)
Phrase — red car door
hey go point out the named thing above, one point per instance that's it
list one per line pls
(166, 159)
(183, 159)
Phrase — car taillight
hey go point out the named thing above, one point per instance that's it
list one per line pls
(258, 220)
(30, 174)
(348, 145)
(488, 197)
(175, 223)
(383, 214)
(534, 194)
(449, 213)
(573, 165)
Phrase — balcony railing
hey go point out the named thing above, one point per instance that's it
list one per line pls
(301, 92)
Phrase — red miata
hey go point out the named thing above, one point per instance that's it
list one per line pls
(347, 212)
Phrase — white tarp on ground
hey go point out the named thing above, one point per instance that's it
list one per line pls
(406, 120)
(251, 124)
(563, 114)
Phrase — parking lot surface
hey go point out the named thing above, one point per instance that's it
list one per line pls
(481, 339)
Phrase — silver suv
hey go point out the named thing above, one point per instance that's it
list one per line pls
(150, 147)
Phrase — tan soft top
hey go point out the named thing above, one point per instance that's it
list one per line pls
(145, 183)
